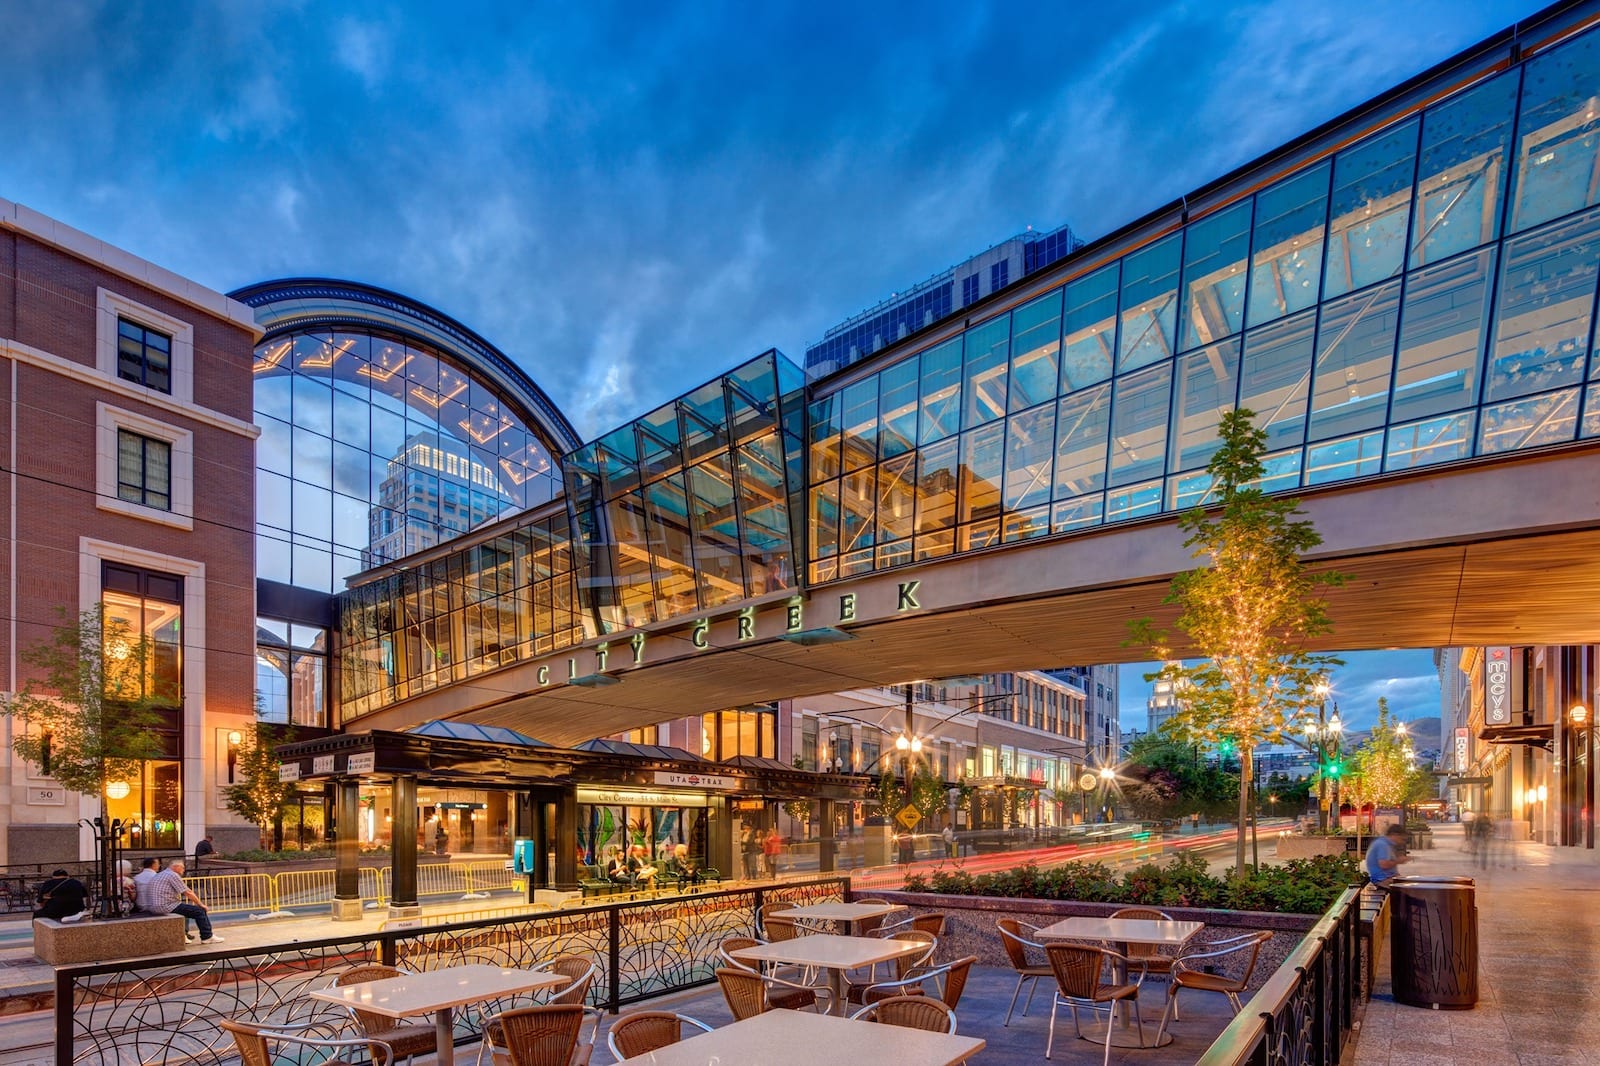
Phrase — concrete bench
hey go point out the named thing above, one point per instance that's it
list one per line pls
(97, 941)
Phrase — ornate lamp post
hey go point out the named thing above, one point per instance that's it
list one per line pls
(1335, 728)
(1318, 734)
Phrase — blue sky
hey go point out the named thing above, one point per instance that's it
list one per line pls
(629, 198)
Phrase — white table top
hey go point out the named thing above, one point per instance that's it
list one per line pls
(1123, 930)
(839, 912)
(831, 952)
(800, 1038)
(433, 990)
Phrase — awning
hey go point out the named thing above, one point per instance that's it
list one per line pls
(1537, 736)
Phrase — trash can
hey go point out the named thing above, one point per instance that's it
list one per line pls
(1433, 941)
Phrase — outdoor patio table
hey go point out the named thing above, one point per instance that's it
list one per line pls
(853, 913)
(438, 992)
(1120, 932)
(800, 1038)
(836, 954)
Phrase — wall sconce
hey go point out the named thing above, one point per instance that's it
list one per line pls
(117, 790)
(233, 753)
(1578, 715)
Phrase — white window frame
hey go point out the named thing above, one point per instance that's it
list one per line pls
(108, 420)
(112, 306)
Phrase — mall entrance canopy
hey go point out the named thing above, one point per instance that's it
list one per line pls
(547, 781)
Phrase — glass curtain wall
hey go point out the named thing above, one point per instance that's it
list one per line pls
(508, 598)
(1422, 295)
(688, 508)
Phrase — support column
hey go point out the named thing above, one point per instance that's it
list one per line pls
(347, 850)
(403, 850)
(826, 842)
(561, 818)
(719, 838)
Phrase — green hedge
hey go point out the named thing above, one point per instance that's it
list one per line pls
(1301, 886)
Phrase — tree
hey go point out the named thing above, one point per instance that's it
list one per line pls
(257, 795)
(1383, 770)
(90, 714)
(1247, 612)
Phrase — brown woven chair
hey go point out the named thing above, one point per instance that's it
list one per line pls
(581, 973)
(405, 1039)
(1078, 970)
(905, 966)
(789, 995)
(1151, 958)
(750, 993)
(935, 922)
(1187, 972)
(251, 1040)
(911, 1012)
(1028, 971)
(546, 1035)
(870, 926)
(643, 1031)
(780, 929)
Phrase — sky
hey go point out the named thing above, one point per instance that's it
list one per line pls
(628, 199)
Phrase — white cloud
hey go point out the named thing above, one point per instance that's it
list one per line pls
(362, 48)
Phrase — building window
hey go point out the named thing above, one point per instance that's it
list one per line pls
(144, 356)
(969, 290)
(144, 470)
(291, 673)
(729, 734)
(150, 606)
(999, 275)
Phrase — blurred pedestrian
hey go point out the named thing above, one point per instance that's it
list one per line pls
(771, 848)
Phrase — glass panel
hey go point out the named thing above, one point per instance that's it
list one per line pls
(1276, 377)
(1134, 501)
(1547, 282)
(856, 498)
(1591, 412)
(1558, 132)
(1030, 443)
(1214, 276)
(1286, 267)
(897, 398)
(936, 487)
(988, 349)
(1434, 440)
(1188, 490)
(1025, 525)
(1461, 175)
(897, 499)
(1371, 210)
(1090, 321)
(1348, 457)
(858, 414)
(1548, 419)
(1077, 514)
(718, 559)
(632, 592)
(1083, 425)
(824, 432)
(941, 391)
(1282, 471)
(1207, 381)
(1149, 304)
(1355, 356)
(1037, 326)
(982, 461)
(1441, 333)
(824, 520)
(1139, 411)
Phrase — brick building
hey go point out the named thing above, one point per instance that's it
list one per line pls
(127, 453)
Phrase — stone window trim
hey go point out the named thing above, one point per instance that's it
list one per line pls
(108, 420)
(110, 307)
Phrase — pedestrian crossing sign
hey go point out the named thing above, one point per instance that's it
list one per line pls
(909, 816)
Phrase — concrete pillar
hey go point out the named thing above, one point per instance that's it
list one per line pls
(827, 845)
(403, 849)
(719, 838)
(347, 850)
(561, 821)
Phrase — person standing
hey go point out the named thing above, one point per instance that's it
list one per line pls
(1386, 854)
(169, 895)
(948, 834)
(770, 849)
(750, 848)
(206, 847)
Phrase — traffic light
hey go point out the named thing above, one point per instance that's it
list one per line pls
(1333, 768)
(1225, 747)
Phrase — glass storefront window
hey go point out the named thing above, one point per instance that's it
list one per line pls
(1286, 265)
(1546, 297)
(1441, 332)
(1461, 173)
(1214, 253)
(1558, 133)
(1370, 210)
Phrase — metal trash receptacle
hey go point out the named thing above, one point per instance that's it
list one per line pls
(1433, 941)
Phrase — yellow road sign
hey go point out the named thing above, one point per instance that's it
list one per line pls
(909, 816)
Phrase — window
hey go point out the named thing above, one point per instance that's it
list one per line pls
(144, 470)
(999, 275)
(291, 673)
(969, 290)
(144, 356)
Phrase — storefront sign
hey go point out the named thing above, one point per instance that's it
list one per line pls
(748, 805)
(322, 764)
(1497, 686)
(668, 777)
(289, 771)
(1463, 750)
(630, 797)
(359, 764)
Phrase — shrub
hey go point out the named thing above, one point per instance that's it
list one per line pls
(1301, 886)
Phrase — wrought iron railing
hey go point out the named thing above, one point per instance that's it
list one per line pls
(1302, 1016)
(165, 1011)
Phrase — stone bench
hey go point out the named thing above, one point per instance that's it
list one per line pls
(66, 944)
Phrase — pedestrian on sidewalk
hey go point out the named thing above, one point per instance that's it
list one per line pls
(771, 848)
(750, 849)
(169, 895)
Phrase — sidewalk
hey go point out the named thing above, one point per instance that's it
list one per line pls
(1539, 955)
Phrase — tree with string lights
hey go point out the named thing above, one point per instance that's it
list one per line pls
(1246, 611)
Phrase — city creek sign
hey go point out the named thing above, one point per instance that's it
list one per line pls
(627, 651)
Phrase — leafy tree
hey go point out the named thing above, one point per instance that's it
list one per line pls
(89, 711)
(1196, 784)
(928, 794)
(886, 790)
(1383, 770)
(257, 795)
(1247, 612)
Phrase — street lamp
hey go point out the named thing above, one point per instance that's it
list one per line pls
(1578, 715)
(1336, 728)
(1318, 734)
(1108, 780)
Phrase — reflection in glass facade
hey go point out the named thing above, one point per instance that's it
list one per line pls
(386, 428)
(1421, 295)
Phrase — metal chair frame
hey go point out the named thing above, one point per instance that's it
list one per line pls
(1078, 985)
(630, 1046)
(1017, 946)
(251, 1040)
(885, 1011)
(1186, 965)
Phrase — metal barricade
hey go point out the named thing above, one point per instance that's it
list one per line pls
(235, 893)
